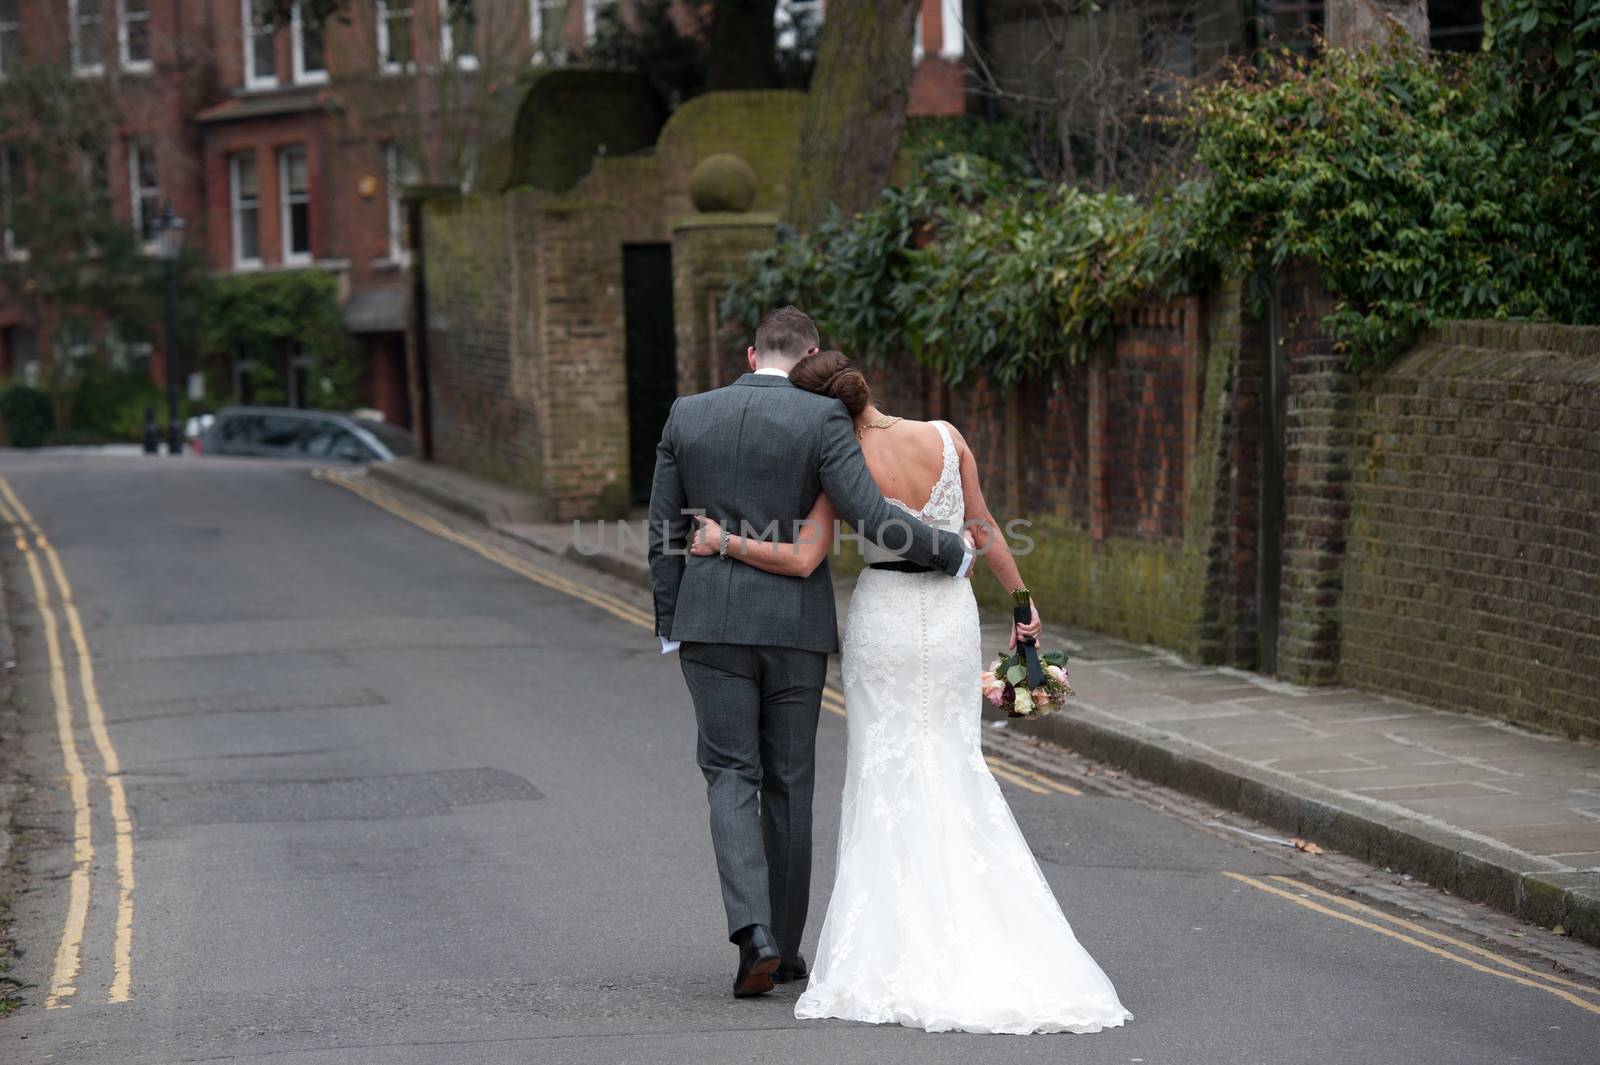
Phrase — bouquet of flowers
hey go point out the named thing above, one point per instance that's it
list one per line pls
(1027, 683)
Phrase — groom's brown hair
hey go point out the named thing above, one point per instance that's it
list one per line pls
(787, 333)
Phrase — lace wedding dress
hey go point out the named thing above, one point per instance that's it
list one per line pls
(940, 918)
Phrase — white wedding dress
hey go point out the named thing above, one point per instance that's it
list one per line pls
(940, 918)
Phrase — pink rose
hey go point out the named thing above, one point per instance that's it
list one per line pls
(996, 696)
(1041, 698)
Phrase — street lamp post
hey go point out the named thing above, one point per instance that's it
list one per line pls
(169, 234)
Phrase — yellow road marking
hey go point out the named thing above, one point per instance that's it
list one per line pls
(1422, 930)
(122, 951)
(832, 699)
(609, 603)
(1006, 771)
(1539, 985)
(1040, 778)
(64, 974)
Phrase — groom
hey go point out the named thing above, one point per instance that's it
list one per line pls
(754, 646)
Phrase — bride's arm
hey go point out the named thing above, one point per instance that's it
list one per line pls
(985, 531)
(797, 559)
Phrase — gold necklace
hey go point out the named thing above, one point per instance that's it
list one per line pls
(883, 421)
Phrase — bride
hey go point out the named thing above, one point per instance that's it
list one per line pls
(940, 918)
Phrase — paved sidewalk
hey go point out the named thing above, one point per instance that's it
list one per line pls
(1485, 810)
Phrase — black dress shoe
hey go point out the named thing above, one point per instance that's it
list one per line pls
(758, 958)
(791, 971)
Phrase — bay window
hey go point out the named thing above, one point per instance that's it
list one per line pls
(244, 201)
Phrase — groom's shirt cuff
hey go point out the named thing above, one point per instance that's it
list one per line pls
(966, 564)
(667, 646)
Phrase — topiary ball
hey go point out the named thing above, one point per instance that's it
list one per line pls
(723, 182)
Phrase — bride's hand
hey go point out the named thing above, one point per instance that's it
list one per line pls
(707, 537)
(1031, 630)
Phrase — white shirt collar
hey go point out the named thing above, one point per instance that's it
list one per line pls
(772, 371)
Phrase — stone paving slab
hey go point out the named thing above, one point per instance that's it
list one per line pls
(1486, 810)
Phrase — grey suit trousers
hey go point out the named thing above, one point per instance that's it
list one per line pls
(757, 710)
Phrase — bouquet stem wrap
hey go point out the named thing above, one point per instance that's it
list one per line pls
(1022, 613)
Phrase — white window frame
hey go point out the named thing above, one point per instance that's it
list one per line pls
(591, 17)
(136, 188)
(235, 210)
(9, 158)
(80, 68)
(287, 201)
(447, 41)
(297, 31)
(918, 49)
(253, 78)
(954, 43)
(124, 17)
(11, 28)
(383, 39)
(783, 13)
(536, 13)
(394, 179)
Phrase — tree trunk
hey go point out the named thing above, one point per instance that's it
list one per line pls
(1359, 23)
(857, 107)
(741, 45)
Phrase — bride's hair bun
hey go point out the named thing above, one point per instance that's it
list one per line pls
(829, 373)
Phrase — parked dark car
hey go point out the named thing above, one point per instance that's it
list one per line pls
(289, 433)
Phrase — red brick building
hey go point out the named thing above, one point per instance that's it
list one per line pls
(284, 148)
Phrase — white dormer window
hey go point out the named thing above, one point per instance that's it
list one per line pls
(86, 36)
(133, 36)
(310, 57)
(458, 36)
(394, 36)
(547, 26)
(260, 47)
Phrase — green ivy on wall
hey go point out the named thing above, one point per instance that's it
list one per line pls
(1421, 187)
(262, 315)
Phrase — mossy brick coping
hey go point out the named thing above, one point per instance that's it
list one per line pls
(1433, 854)
(571, 115)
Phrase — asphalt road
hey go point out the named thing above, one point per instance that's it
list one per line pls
(388, 801)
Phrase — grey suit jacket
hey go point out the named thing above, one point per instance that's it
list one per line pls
(760, 451)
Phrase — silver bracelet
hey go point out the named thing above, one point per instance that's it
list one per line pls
(723, 550)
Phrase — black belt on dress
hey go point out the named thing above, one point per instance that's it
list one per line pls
(901, 565)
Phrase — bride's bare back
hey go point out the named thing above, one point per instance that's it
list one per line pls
(905, 460)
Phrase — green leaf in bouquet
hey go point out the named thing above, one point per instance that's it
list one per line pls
(1054, 658)
(1016, 675)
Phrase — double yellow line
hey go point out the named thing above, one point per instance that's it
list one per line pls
(1412, 934)
(31, 541)
(832, 698)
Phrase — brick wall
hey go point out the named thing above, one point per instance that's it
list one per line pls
(1473, 569)
(525, 346)
(1319, 431)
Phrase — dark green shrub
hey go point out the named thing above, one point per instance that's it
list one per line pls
(26, 414)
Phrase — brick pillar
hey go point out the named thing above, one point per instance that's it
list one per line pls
(1099, 446)
(1319, 429)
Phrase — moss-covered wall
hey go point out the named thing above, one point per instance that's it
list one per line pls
(762, 128)
(1472, 572)
(571, 116)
